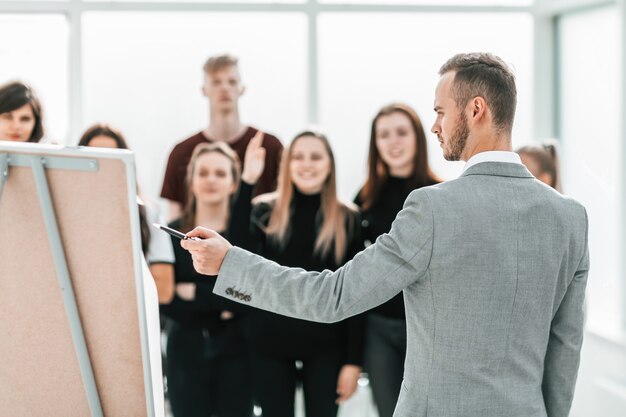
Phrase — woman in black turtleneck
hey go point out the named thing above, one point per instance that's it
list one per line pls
(397, 165)
(208, 362)
(302, 224)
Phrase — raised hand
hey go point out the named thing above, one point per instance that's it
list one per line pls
(207, 251)
(254, 161)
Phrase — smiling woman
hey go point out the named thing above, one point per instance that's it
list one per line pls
(303, 224)
(20, 113)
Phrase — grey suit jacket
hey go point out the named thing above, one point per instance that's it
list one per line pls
(493, 266)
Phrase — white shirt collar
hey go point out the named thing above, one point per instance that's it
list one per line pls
(493, 156)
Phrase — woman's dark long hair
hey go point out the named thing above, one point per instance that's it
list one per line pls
(378, 171)
(17, 94)
(100, 129)
(546, 157)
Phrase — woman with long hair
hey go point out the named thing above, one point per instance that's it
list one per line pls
(20, 113)
(301, 224)
(397, 165)
(542, 160)
(156, 247)
(208, 367)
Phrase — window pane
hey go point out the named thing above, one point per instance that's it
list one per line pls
(438, 2)
(197, 1)
(377, 61)
(40, 61)
(590, 129)
(143, 74)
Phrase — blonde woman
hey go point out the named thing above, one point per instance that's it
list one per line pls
(208, 367)
(301, 224)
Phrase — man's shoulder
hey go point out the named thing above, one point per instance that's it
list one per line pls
(466, 188)
(189, 144)
(569, 204)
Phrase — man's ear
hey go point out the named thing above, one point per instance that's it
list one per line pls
(242, 90)
(478, 108)
(203, 89)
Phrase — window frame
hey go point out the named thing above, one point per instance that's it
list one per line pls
(545, 14)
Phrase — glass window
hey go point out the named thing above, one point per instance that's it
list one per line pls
(143, 74)
(368, 60)
(39, 57)
(590, 129)
(438, 2)
(197, 1)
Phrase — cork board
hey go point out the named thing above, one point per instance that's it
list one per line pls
(39, 372)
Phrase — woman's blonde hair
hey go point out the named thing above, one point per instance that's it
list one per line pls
(337, 218)
(189, 211)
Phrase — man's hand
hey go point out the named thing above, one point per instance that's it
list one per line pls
(254, 161)
(208, 251)
(347, 382)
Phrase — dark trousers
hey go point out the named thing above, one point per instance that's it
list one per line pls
(200, 385)
(276, 379)
(385, 351)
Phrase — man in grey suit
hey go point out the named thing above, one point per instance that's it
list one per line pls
(493, 266)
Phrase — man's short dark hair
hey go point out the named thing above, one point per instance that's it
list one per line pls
(488, 76)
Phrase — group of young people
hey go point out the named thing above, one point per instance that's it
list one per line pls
(224, 357)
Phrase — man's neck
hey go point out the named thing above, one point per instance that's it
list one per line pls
(485, 144)
(224, 126)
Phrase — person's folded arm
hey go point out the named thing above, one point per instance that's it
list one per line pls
(179, 310)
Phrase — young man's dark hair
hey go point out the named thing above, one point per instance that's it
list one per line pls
(488, 76)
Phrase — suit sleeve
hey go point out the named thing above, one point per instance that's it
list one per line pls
(208, 302)
(566, 336)
(375, 275)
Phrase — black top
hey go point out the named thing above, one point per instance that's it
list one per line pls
(377, 221)
(282, 336)
(203, 313)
